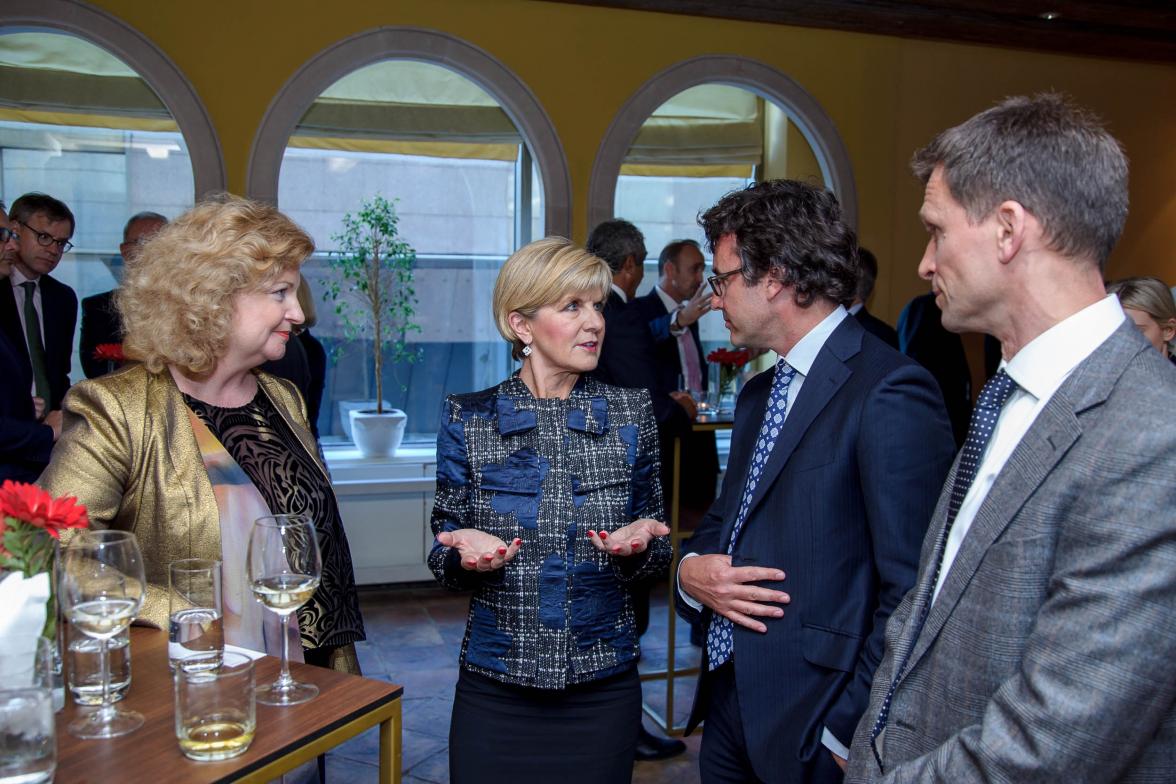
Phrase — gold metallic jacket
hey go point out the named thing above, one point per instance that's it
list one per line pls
(128, 453)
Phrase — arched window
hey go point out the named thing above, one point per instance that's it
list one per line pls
(476, 171)
(93, 114)
(703, 128)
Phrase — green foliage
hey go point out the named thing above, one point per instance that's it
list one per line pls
(372, 289)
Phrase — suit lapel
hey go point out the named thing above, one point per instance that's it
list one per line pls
(10, 321)
(1043, 446)
(827, 375)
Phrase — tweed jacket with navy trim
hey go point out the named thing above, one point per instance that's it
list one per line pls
(548, 471)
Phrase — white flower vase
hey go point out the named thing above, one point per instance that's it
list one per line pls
(378, 435)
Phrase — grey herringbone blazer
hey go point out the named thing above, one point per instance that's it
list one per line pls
(1050, 654)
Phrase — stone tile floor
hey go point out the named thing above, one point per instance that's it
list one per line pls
(414, 636)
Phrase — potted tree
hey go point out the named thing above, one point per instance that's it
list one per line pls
(372, 290)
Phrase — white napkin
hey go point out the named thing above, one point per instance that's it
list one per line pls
(22, 616)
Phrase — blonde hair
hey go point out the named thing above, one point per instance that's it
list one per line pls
(178, 296)
(1151, 295)
(541, 273)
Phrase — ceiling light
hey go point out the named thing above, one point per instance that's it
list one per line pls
(1049, 16)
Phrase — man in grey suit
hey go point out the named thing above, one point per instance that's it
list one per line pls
(1037, 643)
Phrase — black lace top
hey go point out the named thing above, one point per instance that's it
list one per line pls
(292, 482)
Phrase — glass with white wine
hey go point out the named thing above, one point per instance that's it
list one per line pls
(284, 569)
(102, 588)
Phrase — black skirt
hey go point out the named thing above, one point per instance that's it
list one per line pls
(518, 735)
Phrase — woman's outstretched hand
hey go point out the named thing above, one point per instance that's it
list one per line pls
(480, 551)
(633, 538)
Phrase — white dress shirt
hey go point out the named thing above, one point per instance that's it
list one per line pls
(801, 357)
(672, 305)
(18, 294)
(1039, 369)
(620, 293)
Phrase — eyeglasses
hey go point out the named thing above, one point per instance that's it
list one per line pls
(719, 282)
(6, 234)
(45, 240)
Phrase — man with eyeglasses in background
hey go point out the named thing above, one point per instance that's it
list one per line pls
(38, 313)
(25, 443)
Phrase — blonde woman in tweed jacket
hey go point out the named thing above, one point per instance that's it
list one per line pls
(548, 504)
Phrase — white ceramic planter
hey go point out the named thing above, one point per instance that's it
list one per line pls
(377, 435)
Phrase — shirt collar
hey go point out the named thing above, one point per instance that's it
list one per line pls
(19, 277)
(804, 353)
(1044, 363)
(856, 308)
(670, 303)
(620, 293)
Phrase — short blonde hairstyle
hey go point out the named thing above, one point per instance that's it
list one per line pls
(541, 273)
(177, 297)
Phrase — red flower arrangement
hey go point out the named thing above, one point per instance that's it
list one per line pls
(109, 352)
(729, 361)
(30, 519)
(729, 356)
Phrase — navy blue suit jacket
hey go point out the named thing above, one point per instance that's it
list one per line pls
(25, 443)
(841, 508)
(59, 314)
(627, 360)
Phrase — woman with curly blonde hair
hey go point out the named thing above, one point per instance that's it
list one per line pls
(189, 444)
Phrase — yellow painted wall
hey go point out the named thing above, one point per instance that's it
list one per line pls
(887, 96)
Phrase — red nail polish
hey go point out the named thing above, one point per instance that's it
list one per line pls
(518, 541)
(591, 534)
(604, 534)
(502, 551)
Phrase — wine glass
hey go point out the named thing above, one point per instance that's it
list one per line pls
(101, 591)
(284, 568)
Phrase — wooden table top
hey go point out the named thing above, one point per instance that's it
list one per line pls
(152, 753)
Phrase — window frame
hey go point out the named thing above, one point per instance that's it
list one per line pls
(763, 80)
(148, 61)
(431, 46)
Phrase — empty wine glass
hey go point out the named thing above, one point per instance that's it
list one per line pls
(101, 591)
(284, 568)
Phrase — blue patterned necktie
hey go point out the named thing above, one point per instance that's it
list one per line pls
(719, 637)
(992, 399)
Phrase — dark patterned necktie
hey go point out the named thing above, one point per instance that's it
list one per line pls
(719, 637)
(36, 346)
(988, 406)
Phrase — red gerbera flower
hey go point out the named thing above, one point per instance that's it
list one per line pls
(30, 504)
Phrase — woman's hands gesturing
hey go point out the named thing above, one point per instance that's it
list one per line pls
(480, 551)
(630, 540)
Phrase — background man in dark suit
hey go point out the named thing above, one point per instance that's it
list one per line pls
(627, 360)
(100, 321)
(836, 458)
(921, 337)
(672, 309)
(25, 442)
(1037, 642)
(867, 276)
(38, 313)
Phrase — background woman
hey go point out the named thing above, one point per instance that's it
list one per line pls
(1148, 302)
(548, 501)
(190, 445)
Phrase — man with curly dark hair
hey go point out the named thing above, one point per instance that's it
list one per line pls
(837, 456)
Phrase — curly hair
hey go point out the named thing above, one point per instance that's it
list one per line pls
(542, 273)
(177, 298)
(793, 232)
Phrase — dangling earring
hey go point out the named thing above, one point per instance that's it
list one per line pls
(526, 351)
